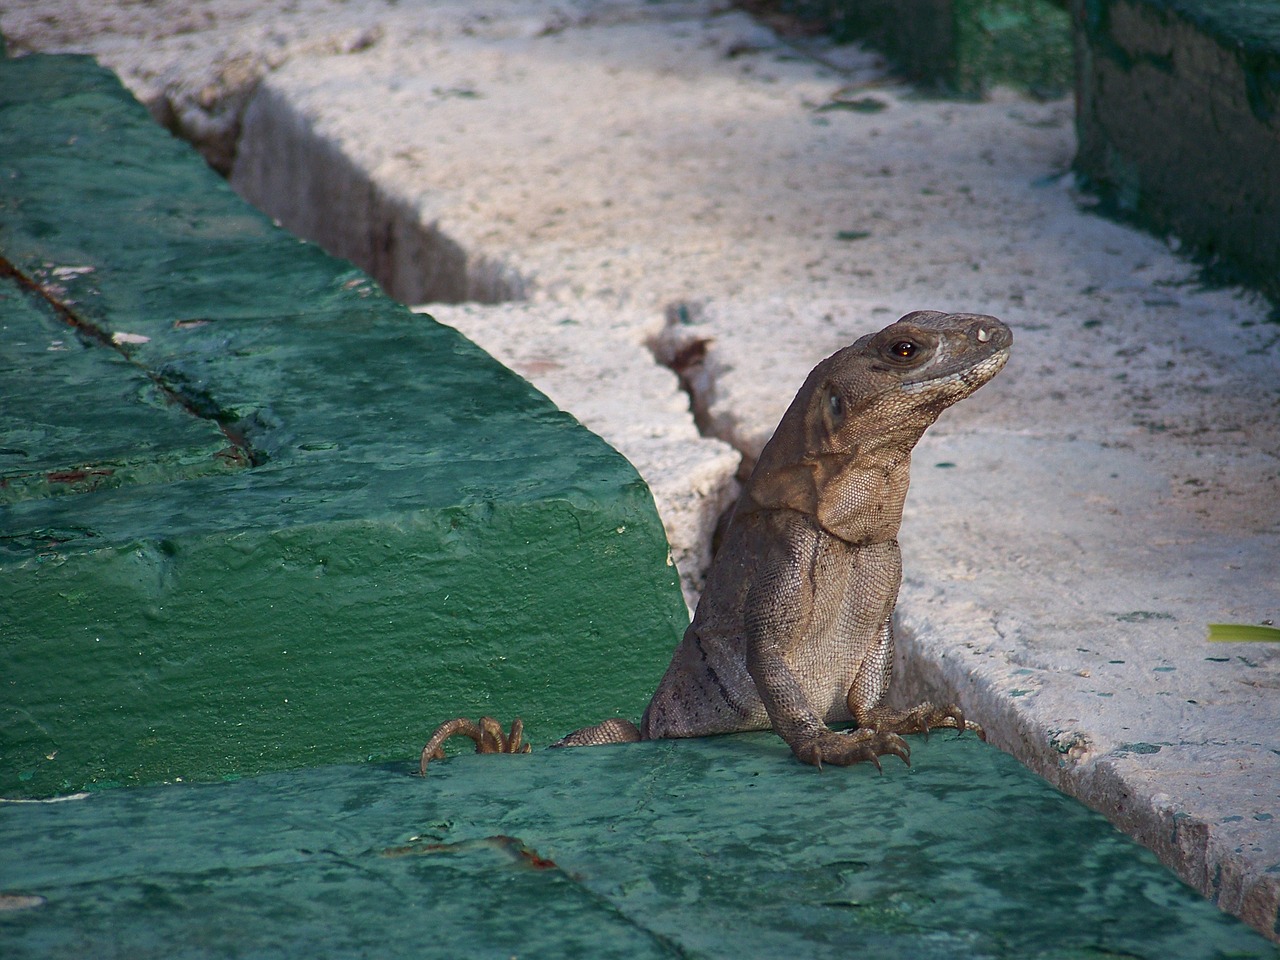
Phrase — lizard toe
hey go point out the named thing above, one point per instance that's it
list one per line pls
(952, 716)
(487, 735)
(894, 744)
(919, 719)
(846, 749)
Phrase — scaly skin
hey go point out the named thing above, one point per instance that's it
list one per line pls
(794, 630)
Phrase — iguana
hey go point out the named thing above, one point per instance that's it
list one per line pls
(794, 629)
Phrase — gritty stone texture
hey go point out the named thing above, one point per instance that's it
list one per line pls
(1179, 124)
(194, 65)
(676, 176)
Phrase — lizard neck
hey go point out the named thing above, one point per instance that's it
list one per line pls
(862, 503)
(856, 499)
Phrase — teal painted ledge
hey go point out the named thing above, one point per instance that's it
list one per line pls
(718, 848)
(254, 515)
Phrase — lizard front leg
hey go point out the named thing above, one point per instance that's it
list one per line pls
(778, 616)
(811, 740)
(871, 683)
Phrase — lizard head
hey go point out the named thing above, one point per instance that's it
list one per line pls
(926, 361)
(846, 439)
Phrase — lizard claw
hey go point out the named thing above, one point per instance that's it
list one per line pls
(487, 734)
(895, 745)
(846, 749)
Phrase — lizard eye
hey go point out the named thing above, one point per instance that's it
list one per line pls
(835, 404)
(904, 349)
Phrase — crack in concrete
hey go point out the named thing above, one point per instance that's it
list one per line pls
(316, 190)
(240, 451)
(684, 353)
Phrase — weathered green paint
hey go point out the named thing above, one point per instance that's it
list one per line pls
(1179, 123)
(55, 443)
(414, 531)
(720, 848)
(1019, 43)
(964, 47)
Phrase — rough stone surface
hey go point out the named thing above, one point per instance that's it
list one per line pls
(745, 210)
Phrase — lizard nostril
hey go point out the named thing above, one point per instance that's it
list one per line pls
(983, 334)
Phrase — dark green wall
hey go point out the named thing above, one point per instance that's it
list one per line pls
(1179, 123)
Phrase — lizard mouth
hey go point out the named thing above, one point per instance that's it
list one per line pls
(967, 380)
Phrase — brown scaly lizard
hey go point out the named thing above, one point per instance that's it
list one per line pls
(794, 630)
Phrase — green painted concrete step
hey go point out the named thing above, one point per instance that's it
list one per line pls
(720, 848)
(330, 523)
(56, 443)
